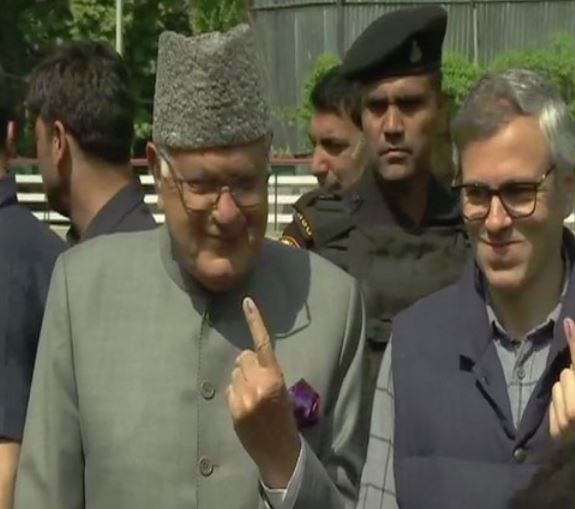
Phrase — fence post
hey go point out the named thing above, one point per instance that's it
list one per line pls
(475, 32)
(119, 26)
(340, 6)
(275, 201)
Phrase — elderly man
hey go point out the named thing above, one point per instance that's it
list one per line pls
(28, 251)
(339, 153)
(397, 230)
(197, 366)
(82, 110)
(473, 367)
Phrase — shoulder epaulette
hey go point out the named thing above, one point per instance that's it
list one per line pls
(310, 197)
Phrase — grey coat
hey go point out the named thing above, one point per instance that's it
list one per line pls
(128, 406)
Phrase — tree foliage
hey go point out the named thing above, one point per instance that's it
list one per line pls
(30, 29)
(221, 15)
(555, 59)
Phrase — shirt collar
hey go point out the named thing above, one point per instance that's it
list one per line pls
(112, 213)
(537, 331)
(442, 204)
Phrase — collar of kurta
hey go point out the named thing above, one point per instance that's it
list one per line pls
(282, 303)
(179, 274)
(8, 190)
(369, 203)
(110, 215)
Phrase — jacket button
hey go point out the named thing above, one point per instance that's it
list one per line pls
(520, 455)
(206, 466)
(207, 390)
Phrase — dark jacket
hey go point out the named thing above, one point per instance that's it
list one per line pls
(28, 251)
(455, 442)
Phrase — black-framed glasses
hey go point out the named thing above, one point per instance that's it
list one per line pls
(203, 194)
(519, 199)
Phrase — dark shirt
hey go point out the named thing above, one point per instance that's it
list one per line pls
(8, 190)
(28, 251)
(370, 207)
(125, 212)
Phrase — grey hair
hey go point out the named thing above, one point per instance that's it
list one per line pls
(500, 97)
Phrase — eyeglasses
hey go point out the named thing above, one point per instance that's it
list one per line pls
(201, 194)
(519, 199)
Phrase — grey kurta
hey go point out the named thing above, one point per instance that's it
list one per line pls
(128, 406)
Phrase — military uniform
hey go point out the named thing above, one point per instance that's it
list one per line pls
(396, 261)
(124, 212)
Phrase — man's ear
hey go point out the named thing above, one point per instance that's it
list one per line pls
(11, 138)
(568, 191)
(267, 141)
(154, 166)
(60, 144)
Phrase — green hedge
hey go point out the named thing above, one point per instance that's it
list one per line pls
(555, 59)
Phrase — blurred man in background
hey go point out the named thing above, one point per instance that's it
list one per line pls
(82, 110)
(28, 251)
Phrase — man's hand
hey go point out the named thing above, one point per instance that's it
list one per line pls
(260, 406)
(562, 410)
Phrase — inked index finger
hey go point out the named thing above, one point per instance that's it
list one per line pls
(569, 328)
(260, 336)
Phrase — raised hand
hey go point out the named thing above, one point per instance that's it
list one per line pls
(562, 409)
(261, 408)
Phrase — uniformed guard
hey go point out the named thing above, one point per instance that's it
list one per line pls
(82, 110)
(28, 250)
(398, 230)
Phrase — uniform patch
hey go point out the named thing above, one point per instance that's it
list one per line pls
(289, 241)
(304, 224)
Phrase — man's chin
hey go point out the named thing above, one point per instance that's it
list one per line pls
(392, 172)
(504, 279)
(219, 274)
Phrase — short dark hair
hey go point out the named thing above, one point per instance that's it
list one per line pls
(85, 85)
(7, 110)
(553, 486)
(336, 94)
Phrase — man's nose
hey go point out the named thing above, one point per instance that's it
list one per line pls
(498, 218)
(393, 122)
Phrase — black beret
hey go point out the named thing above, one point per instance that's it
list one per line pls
(400, 43)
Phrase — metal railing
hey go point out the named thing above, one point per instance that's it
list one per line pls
(283, 191)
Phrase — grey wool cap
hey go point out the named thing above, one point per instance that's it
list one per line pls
(209, 90)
